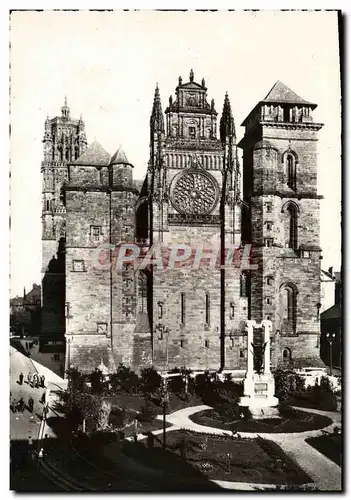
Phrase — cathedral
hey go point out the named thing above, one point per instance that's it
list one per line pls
(194, 192)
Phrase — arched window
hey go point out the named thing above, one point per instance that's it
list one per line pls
(292, 213)
(291, 171)
(286, 354)
(288, 300)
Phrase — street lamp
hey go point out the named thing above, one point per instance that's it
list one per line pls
(164, 394)
(164, 400)
(330, 338)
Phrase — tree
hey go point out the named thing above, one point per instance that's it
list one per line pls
(84, 407)
(151, 381)
(76, 380)
(125, 379)
(96, 379)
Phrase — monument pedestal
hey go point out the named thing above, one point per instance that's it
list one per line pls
(259, 395)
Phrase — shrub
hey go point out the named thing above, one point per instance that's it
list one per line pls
(176, 384)
(96, 380)
(229, 411)
(104, 416)
(287, 383)
(325, 385)
(117, 417)
(76, 380)
(151, 381)
(120, 418)
(125, 379)
(148, 412)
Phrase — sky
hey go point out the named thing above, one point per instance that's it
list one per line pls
(108, 63)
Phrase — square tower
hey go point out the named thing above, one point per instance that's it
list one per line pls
(282, 221)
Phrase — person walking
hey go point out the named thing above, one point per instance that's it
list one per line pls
(21, 378)
(13, 406)
(43, 398)
(21, 405)
(30, 404)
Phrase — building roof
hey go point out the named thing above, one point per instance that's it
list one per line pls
(283, 94)
(334, 312)
(119, 157)
(94, 155)
(280, 93)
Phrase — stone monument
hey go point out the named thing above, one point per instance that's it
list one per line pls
(259, 381)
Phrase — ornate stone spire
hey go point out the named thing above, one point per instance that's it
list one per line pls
(227, 126)
(156, 119)
(65, 110)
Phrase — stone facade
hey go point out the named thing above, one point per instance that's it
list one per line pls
(191, 195)
(282, 221)
(64, 141)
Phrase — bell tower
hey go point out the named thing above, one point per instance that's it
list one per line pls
(64, 141)
(193, 184)
(282, 221)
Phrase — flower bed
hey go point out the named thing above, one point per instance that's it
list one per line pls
(290, 420)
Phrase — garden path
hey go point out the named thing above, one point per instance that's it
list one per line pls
(324, 472)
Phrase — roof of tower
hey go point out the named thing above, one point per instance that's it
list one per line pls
(281, 93)
(119, 158)
(156, 118)
(94, 155)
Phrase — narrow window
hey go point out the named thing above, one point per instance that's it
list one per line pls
(268, 300)
(269, 207)
(242, 355)
(67, 309)
(95, 232)
(268, 242)
(192, 132)
(231, 310)
(269, 280)
(182, 343)
(207, 344)
(288, 308)
(291, 171)
(290, 304)
(269, 226)
(182, 308)
(292, 214)
(243, 285)
(207, 308)
(160, 310)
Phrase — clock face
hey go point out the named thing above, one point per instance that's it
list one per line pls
(194, 192)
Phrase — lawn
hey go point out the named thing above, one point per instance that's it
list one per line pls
(249, 460)
(290, 420)
(330, 446)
